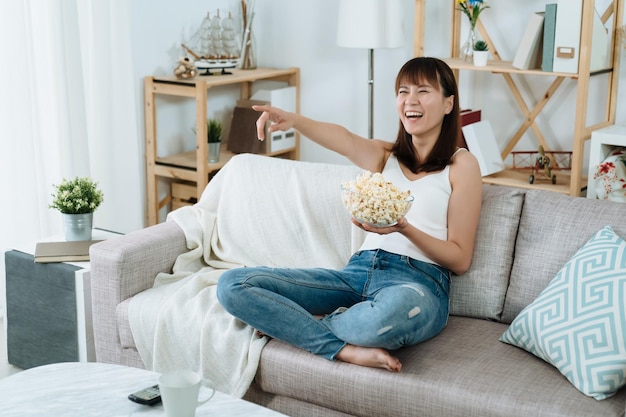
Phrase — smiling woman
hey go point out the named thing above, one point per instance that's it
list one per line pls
(394, 290)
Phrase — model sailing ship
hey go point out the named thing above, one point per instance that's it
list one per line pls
(214, 44)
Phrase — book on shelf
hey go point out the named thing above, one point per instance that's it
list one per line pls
(549, 26)
(528, 55)
(75, 251)
(482, 143)
(600, 44)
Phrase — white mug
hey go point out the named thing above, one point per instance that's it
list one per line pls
(179, 392)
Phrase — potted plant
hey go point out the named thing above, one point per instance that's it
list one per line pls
(77, 200)
(214, 137)
(481, 53)
(214, 131)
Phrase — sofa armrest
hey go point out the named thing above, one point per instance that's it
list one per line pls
(122, 267)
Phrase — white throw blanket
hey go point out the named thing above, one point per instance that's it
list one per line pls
(256, 211)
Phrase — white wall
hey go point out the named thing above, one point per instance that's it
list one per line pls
(334, 80)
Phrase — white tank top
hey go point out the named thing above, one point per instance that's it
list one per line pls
(429, 211)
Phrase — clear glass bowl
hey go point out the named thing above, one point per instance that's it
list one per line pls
(378, 212)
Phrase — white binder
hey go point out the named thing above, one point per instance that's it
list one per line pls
(567, 36)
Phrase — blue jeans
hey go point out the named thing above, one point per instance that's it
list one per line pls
(378, 299)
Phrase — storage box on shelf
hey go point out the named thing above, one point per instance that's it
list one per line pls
(602, 143)
(582, 128)
(193, 167)
(183, 194)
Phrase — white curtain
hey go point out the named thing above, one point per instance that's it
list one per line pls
(67, 108)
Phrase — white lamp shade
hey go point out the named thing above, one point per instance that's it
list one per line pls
(370, 24)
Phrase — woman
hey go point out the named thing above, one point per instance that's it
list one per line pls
(394, 291)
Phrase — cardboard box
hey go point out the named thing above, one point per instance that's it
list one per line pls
(183, 194)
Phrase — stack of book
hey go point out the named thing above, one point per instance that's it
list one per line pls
(551, 41)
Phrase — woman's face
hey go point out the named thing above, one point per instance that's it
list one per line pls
(422, 108)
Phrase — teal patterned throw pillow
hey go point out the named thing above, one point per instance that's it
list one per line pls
(578, 323)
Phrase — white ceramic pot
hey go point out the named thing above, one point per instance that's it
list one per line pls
(480, 58)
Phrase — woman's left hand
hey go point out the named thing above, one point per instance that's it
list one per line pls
(385, 230)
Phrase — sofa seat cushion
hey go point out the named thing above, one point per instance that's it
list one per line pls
(552, 228)
(448, 375)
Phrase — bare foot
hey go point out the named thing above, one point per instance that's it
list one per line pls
(372, 357)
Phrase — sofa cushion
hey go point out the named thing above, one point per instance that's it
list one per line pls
(578, 323)
(448, 375)
(481, 290)
(552, 228)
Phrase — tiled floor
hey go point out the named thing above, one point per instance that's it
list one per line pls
(5, 368)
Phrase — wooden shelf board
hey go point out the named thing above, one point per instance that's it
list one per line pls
(187, 160)
(503, 67)
(519, 178)
(237, 76)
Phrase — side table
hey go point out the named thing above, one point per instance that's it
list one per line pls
(48, 308)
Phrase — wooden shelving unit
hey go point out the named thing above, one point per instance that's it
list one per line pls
(194, 166)
(582, 129)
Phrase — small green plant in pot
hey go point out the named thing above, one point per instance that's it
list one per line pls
(77, 200)
(481, 53)
(481, 45)
(78, 196)
(214, 137)
(214, 131)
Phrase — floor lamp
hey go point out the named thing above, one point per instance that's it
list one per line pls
(370, 24)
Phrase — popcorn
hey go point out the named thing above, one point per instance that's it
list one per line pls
(371, 199)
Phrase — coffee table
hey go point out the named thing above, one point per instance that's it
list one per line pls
(96, 389)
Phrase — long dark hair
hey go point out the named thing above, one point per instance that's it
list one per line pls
(437, 73)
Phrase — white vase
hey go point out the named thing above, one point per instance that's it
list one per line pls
(78, 226)
(480, 58)
(467, 50)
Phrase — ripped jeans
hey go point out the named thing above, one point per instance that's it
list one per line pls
(379, 299)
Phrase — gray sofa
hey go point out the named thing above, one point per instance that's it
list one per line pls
(525, 237)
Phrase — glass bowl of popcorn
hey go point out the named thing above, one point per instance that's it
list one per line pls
(372, 200)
